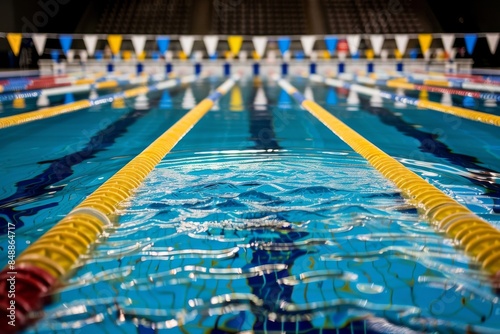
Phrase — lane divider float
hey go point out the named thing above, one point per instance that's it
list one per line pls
(85, 86)
(405, 83)
(87, 103)
(440, 81)
(51, 258)
(20, 84)
(476, 236)
(456, 111)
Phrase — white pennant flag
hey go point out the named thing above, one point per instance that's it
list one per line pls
(211, 44)
(39, 41)
(377, 42)
(260, 43)
(187, 44)
(492, 41)
(308, 44)
(353, 43)
(401, 43)
(448, 40)
(139, 42)
(90, 43)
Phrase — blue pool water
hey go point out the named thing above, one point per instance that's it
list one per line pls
(260, 220)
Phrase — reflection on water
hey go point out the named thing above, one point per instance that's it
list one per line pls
(290, 241)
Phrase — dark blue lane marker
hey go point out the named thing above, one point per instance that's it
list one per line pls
(261, 127)
(59, 170)
(429, 143)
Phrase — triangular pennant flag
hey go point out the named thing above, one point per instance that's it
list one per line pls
(139, 42)
(187, 44)
(284, 44)
(15, 42)
(492, 41)
(65, 41)
(90, 43)
(425, 41)
(39, 41)
(308, 44)
(448, 40)
(211, 44)
(331, 44)
(353, 42)
(260, 43)
(470, 42)
(377, 42)
(235, 43)
(115, 43)
(162, 42)
(401, 43)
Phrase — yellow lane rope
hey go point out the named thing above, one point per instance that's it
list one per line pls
(456, 111)
(83, 104)
(58, 250)
(479, 239)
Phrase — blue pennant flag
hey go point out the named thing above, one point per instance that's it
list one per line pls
(284, 44)
(65, 41)
(163, 42)
(331, 44)
(470, 42)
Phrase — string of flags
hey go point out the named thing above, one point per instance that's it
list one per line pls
(339, 45)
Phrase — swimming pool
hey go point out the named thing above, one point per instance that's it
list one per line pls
(260, 219)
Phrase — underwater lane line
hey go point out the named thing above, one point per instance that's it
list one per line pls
(456, 111)
(84, 104)
(51, 258)
(479, 238)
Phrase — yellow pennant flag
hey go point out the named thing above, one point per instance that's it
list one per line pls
(370, 54)
(15, 42)
(235, 43)
(115, 43)
(425, 42)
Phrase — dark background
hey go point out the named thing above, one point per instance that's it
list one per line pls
(70, 16)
